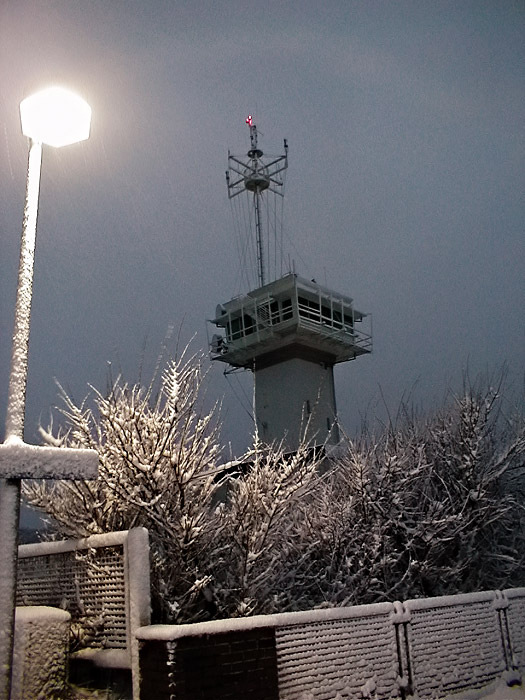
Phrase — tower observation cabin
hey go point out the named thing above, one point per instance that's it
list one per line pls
(289, 332)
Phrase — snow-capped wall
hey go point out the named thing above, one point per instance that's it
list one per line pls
(40, 653)
(428, 648)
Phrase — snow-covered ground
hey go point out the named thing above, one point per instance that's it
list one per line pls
(506, 693)
(499, 691)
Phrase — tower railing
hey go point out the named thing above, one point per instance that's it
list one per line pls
(345, 334)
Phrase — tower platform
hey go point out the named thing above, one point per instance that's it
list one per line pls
(288, 318)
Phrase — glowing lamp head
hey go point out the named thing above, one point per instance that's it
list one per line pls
(55, 116)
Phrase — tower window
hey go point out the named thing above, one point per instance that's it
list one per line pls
(287, 310)
(274, 312)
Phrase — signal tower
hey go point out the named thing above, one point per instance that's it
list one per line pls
(290, 332)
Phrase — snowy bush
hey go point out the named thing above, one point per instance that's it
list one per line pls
(250, 562)
(429, 506)
(158, 456)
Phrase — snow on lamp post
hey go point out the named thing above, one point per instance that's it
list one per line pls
(56, 117)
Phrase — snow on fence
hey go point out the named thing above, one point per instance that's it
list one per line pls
(309, 657)
(427, 648)
(458, 643)
(103, 582)
(424, 648)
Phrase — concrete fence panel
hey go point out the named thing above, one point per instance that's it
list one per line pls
(353, 652)
(455, 643)
(429, 648)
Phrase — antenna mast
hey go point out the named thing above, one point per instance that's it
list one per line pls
(256, 176)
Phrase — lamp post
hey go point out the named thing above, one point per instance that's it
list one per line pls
(56, 117)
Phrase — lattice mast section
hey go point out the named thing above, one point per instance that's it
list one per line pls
(256, 174)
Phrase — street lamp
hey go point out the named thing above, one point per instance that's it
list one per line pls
(56, 117)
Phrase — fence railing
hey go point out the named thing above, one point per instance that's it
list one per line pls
(426, 648)
(103, 582)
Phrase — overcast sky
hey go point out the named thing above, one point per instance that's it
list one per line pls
(404, 190)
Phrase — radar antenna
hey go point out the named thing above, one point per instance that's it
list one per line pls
(256, 174)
